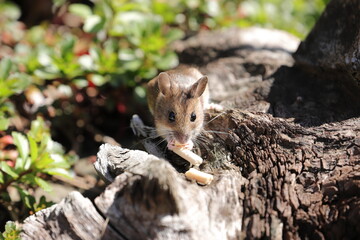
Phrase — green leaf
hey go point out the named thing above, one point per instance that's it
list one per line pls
(5, 67)
(26, 197)
(93, 24)
(57, 171)
(33, 148)
(59, 161)
(43, 184)
(134, 24)
(127, 54)
(80, 83)
(1, 177)
(54, 147)
(86, 62)
(5, 91)
(29, 201)
(174, 34)
(12, 232)
(133, 65)
(7, 169)
(19, 164)
(27, 163)
(10, 10)
(4, 123)
(36, 34)
(107, 8)
(28, 179)
(44, 161)
(18, 82)
(149, 72)
(46, 74)
(140, 92)
(21, 143)
(98, 80)
(38, 129)
(67, 45)
(45, 142)
(95, 53)
(23, 164)
(81, 10)
(169, 60)
(43, 204)
(9, 225)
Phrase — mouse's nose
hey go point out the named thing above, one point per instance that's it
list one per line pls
(182, 138)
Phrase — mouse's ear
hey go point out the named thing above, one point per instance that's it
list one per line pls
(164, 83)
(198, 88)
(166, 86)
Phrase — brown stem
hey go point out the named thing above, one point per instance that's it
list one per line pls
(4, 186)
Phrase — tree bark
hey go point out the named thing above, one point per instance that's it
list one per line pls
(294, 183)
(306, 179)
(333, 44)
(285, 155)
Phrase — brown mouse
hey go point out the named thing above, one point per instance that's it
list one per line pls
(177, 99)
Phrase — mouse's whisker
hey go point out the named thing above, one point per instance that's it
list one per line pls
(153, 137)
(202, 137)
(160, 142)
(212, 131)
(198, 142)
(214, 117)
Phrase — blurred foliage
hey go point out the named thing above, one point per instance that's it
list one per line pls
(35, 157)
(12, 232)
(83, 71)
(294, 16)
(11, 82)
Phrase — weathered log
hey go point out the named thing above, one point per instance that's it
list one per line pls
(305, 179)
(154, 201)
(75, 217)
(297, 186)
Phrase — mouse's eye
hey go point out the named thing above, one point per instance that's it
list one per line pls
(172, 116)
(193, 117)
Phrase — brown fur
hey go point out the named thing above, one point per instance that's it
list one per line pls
(182, 91)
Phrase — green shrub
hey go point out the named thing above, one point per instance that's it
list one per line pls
(38, 156)
(11, 82)
(12, 232)
(294, 16)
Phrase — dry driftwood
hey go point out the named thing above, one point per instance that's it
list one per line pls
(294, 186)
(285, 155)
(156, 202)
(75, 217)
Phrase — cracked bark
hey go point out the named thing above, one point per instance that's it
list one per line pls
(296, 183)
(285, 154)
(305, 180)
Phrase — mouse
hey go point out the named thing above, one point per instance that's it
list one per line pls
(177, 100)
